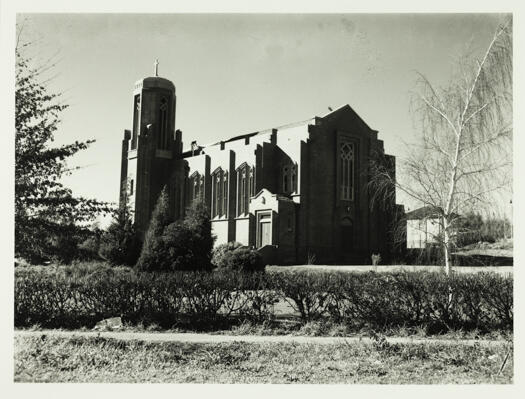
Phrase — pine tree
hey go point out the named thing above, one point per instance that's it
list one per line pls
(119, 244)
(151, 257)
(46, 212)
(198, 221)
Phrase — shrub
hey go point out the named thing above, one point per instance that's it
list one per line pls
(152, 256)
(89, 248)
(242, 260)
(199, 240)
(307, 293)
(177, 246)
(81, 295)
(233, 256)
(219, 251)
(119, 244)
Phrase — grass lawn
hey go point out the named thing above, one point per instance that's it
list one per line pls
(95, 359)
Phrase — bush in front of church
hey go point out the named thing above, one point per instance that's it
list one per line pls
(220, 251)
(200, 239)
(182, 245)
(235, 257)
(119, 244)
(152, 256)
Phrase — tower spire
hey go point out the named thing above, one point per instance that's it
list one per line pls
(156, 64)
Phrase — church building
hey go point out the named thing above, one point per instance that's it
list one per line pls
(297, 192)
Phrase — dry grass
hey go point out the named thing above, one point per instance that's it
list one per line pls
(53, 359)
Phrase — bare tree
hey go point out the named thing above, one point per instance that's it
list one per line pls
(463, 155)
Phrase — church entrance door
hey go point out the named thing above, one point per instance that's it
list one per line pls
(264, 229)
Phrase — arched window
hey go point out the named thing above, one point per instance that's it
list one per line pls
(252, 181)
(294, 178)
(217, 186)
(224, 211)
(196, 187)
(346, 159)
(244, 182)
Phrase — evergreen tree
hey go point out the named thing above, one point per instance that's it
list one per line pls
(46, 212)
(189, 243)
(119, 244)
(153, 251)
(198, 221)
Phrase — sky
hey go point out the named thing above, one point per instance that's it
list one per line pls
(240, 73)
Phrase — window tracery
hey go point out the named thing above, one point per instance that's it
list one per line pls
(346, 159)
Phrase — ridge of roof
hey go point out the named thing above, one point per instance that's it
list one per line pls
(259, 132)
(286, 126)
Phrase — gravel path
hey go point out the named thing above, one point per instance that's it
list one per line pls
(216, 338)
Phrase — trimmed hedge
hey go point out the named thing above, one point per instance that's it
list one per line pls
(70, 298)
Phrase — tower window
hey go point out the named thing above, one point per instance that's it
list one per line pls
(163, 135)
(346, 159)
(131, 186)
(136, 121)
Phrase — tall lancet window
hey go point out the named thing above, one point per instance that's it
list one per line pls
(219, 193)
(196, 187)
(216, 195)
(224, 194)
(346, 159)
(294, 178)
(163, 137)
(243, 189)
(252, 181)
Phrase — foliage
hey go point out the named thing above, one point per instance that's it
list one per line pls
(200, 243)
(244, 260)
(233, 256)
(46, 212)
(180, 245)
(473, 228)
(49, 357)
(463, 153)
(152, 254)
(119, 244)
(220, 250)
(76, 296)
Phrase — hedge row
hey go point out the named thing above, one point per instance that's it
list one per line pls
(211, 300)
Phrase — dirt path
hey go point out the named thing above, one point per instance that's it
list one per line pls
(216, 338)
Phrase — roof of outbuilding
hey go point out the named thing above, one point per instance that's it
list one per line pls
(424, 212)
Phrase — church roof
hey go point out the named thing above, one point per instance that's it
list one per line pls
(154, 82)
(333, 114)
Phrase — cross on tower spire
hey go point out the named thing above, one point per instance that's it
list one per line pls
(156, 64)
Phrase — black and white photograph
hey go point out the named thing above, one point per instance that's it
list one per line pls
(247, 197)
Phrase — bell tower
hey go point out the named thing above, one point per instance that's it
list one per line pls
(153, 148)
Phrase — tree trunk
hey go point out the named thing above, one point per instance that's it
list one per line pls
(446, 246)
